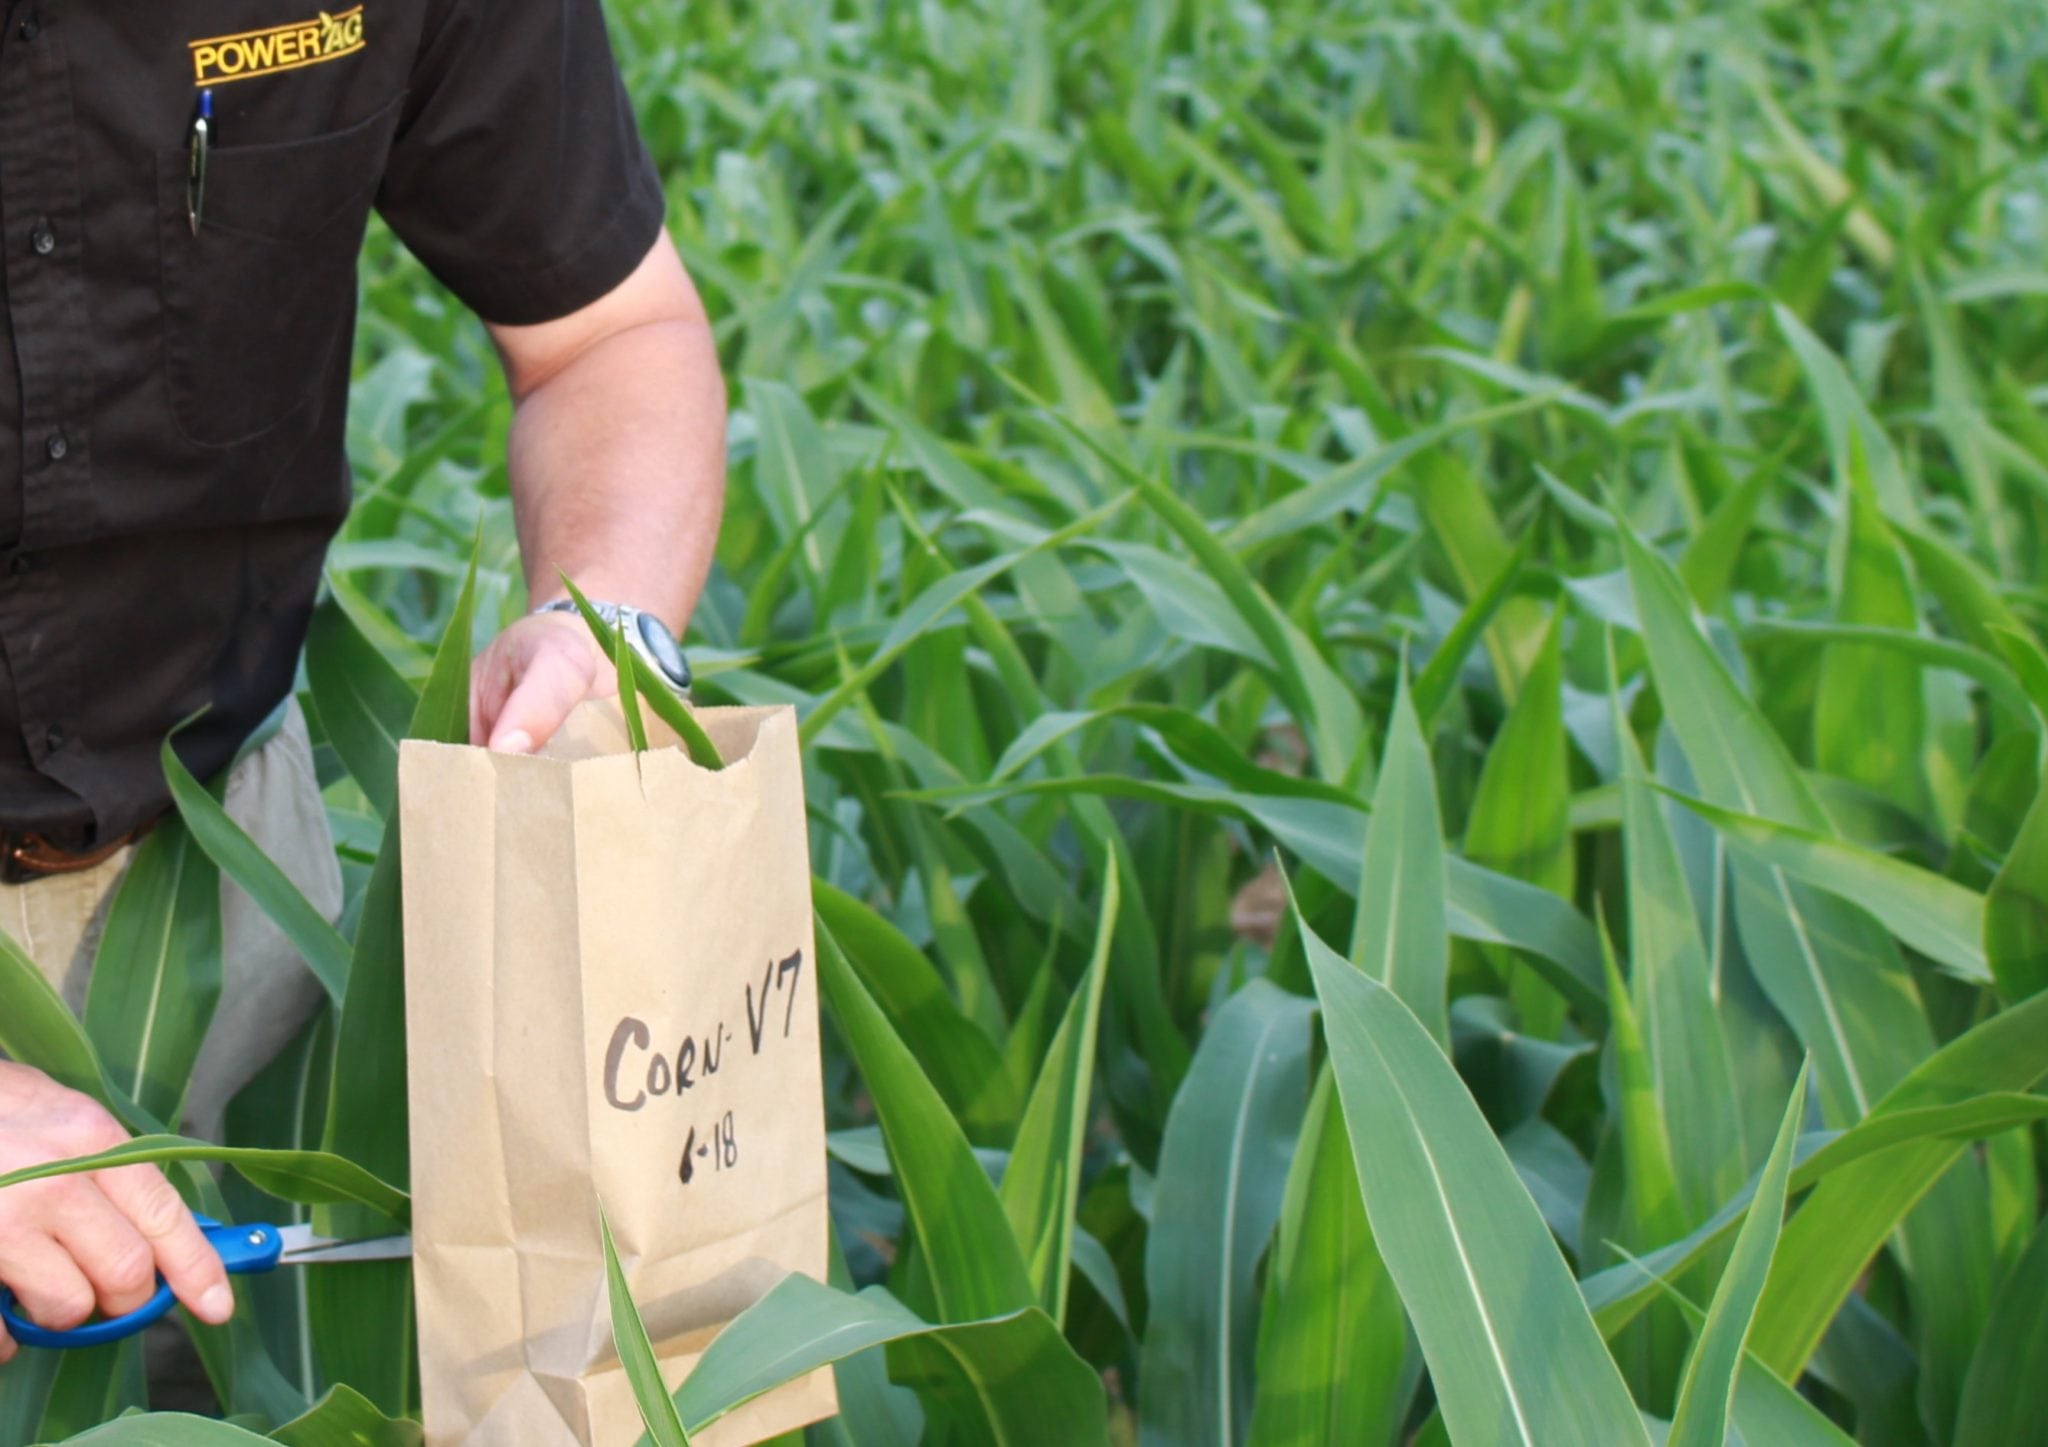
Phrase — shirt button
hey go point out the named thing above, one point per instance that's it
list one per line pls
(55, 737)
(41, 237)
(58, 446)
(31, 28)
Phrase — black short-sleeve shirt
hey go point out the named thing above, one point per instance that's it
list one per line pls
(172, 402)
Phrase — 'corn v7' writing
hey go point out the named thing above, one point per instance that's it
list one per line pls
(695, 1058)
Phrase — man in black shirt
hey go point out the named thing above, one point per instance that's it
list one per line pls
(174, 355)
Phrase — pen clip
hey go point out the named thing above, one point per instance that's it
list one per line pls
(200, 143)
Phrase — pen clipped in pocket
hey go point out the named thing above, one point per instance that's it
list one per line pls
(258, 297)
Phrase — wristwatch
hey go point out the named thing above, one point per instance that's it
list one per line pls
(647, 635)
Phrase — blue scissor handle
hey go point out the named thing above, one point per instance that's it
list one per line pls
(242, 1249)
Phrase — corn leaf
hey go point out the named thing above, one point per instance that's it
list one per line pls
(1837, 977)
(1672, 987)
(1466, 526)
(974, 1265)
(1519, 824)
(2016, 905)
(1936, 916)
(1823, 964)
(25, 1385)
(1632, 1199)
(1867, 1177)
(1511, 1349)
(364, 702)
(1479, 904)
(156, 976)
(1042, 1183)
(1010, 1379)
(2005, 1398)
(1438, 680)
(636, 1352)
(1222, 1171)
(659, 697)
(956, 1054)
(1979, 667)
(1318, 697)
(1762, 1408)
(1706, 1399)
(1337, 1364)
(362, 1312)
(311, 1177)
(344, 1418)
(1969, 597)
(1856, 444)
(168, 1429)
(229, 846)
(629, 692)
(91, 1386)
(922, 613)
(1712, 555)
(1651, 1210)
(1398, 934)
(36, 1028)
(1869, 719)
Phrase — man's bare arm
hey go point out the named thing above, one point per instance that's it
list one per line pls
(617, 459)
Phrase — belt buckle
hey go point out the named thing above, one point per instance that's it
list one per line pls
(12, 869)
(20, 849)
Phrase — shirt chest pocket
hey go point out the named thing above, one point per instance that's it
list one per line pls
(259, 301)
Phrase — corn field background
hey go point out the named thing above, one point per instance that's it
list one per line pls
(1419, 636)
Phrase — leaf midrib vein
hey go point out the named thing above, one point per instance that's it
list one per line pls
(1230, 1197)
(156, 984)
(1457, 1239)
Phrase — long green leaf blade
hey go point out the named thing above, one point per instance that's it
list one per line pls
(364, 703)
(1042, 1182)
(2005, 1396)
(37, 1029)
(156, 977)
(1221, 1174)
(636, 1352)
(1938, 917)
(361, 1314)
(310, 1177)
(1337, 1364)
(229, 846)
(974, 1264)
(1706, 1399)
(1672, 987)
(648, 688)
(1399, 936)
(2016, 905)
(345, 1418)
(1018, 1380)
(1511, 1348)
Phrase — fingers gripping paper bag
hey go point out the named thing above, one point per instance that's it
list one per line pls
(609, 998)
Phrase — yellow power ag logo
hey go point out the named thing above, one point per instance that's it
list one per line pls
(280, 47)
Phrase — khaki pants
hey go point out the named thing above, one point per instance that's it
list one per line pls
(267, 993)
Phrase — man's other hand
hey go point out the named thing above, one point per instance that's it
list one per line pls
(532, 675)
(71, 1244)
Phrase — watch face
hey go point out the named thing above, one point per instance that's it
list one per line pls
(663, 649)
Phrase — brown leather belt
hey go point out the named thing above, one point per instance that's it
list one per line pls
(27, 855)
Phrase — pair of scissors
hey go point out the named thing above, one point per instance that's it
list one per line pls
(244, 1250)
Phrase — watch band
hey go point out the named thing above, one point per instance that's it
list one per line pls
(646, 634)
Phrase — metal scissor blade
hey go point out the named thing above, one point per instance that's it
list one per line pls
(303, 1248)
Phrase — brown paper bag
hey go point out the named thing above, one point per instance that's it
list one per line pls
(609, 998)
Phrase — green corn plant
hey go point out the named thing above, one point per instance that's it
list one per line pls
(1417, 631)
